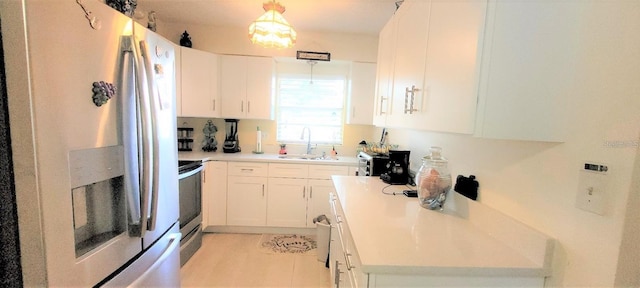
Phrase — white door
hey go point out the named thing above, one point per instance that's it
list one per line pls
(260, 79)
(287, 204)
(233, 86)
(247, 201)
(199, 83)
(319, 191)
(215, 189)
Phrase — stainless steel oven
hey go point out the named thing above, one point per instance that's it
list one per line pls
(190, 177)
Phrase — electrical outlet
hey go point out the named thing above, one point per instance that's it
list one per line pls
(592, 193)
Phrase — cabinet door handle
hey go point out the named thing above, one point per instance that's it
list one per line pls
(242, 106)
(347, 257)
(311, 192)
(382, 98)
(248, 106)
(263, 190)
(337, 273)
(214, 104)
(409, 99)
(304, 192)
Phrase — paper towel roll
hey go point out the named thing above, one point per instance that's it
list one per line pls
(259, 141)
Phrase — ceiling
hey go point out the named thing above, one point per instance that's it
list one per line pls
(345, 16)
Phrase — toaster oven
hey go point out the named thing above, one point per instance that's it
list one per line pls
(372, 164)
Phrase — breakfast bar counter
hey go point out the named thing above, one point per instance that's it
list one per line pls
(389, 240)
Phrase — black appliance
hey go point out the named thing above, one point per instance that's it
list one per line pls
(397, 171)
(372, 164)
(231, 143)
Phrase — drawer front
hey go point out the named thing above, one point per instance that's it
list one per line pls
(277, 170)
(325, 171)
(248, 169)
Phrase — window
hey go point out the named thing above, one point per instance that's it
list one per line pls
(317, 104)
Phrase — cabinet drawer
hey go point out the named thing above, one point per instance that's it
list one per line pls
(248, 169)
(288, 170)
(325, 171)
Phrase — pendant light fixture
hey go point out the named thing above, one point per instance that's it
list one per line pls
(271, 30)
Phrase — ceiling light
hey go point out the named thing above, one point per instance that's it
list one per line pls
(271, 30)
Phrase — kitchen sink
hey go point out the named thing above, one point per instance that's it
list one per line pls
(306, 157)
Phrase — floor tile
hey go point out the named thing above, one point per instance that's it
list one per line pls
(233, 260)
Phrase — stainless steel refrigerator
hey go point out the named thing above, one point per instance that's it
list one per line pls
(92, 107)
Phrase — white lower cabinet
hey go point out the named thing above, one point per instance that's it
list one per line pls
(247, 194)
(344, 263)
(287, 203)
(267, 194)
(214, 194)
(247, 201)
(318, 204)
(298, 193)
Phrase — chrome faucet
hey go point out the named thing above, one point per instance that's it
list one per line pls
(308, 140)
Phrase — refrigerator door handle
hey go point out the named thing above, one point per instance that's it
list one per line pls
(131, 135)
(146, 161)
(153, 105)
(149, 274)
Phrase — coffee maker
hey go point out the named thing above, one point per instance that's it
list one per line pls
(397, 172)
(231, 143)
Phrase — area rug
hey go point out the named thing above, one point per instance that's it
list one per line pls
(302, 244)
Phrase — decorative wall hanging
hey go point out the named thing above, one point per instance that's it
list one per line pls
(314, 56)
(102, 92)
(126, 7)
(185, 39)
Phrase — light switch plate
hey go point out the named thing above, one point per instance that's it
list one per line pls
(592, 190)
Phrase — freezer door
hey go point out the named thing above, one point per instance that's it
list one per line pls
(157, 267)
(159, 64)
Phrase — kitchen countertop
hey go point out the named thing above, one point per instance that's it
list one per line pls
(392, 234)
(251, 157)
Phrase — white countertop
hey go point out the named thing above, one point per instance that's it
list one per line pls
(392, 234)
(251, 157)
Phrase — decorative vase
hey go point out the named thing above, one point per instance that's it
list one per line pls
(185, 39)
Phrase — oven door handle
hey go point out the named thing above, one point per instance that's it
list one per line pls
(191, 172)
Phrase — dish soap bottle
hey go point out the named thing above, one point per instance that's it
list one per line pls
(433, 180)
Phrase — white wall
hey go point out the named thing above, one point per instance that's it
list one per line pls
(537, 182)
(230, 40)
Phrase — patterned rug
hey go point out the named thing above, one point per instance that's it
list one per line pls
(270, 243)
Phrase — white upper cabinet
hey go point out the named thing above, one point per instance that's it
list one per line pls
(246, 87)
(199, 83)
(361, 93)
(384, 72)
(433, 49)
(448, 99)
(527, 69)
(409, 62)
(472, 67)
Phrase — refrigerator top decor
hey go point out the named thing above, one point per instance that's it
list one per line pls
(126, 7)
